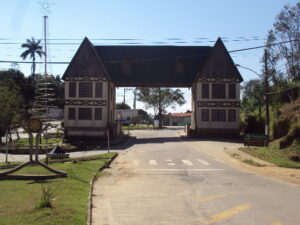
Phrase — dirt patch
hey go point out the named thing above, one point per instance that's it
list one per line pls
(229, 154)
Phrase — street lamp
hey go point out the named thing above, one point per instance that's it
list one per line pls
(266, 97)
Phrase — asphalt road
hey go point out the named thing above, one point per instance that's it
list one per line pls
(163, 179)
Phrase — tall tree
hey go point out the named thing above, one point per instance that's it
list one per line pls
(253, 101)
(14, 79)
(11, 105)
(160, 99)
(286, 28)
(33, 48)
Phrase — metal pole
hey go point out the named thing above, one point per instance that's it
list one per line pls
(124, 95)
(37, 139)
(266, 95)
(45, 42)
(6, 146)
(46, 88)
(134, 99)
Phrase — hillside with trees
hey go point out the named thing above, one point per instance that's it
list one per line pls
(281, 69)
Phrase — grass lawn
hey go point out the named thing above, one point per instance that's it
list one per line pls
(272, 154)
(9, 163)
(25, 141)
(18, 199)
(137, 127)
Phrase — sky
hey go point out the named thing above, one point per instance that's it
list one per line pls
(240, 23)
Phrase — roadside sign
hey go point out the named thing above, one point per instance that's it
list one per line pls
(34, 125)
(255, 140)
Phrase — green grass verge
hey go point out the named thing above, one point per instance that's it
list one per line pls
(18, 199)
(251, 162)
(137, 127)
(9, 163)
(272, 154)
(25, 141)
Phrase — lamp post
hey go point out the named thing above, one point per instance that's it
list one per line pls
(266, 83)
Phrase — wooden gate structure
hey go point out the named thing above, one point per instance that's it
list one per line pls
(95, 72)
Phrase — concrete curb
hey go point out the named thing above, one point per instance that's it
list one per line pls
(90, 200)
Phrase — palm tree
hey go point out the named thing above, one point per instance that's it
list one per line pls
(33, 48)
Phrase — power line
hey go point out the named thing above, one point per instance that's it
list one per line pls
(262, 46)
(24, 62)
(157, 59)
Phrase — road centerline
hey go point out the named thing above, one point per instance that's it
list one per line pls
(227, 213)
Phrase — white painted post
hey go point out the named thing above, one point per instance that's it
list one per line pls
(108, 143)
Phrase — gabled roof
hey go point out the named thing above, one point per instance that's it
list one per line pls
(85, 62)
(218, 60)
(152, 65)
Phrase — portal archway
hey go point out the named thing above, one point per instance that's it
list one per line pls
(95, 71)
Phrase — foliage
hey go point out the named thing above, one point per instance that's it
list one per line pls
(122, 106)
(14, 79)
(253, 101)
(11, 105)
(55, 88)
(25, 141)
(285, 29)
(33, 48)
(282, 57)
(48, 193)
(272, 154)
(143, 115)
(160, 98)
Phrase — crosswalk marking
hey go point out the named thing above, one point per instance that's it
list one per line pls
(152, 162)
(171, 162)
(187, 162)
(204, 162)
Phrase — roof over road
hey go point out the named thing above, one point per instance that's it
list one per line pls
(150, 66)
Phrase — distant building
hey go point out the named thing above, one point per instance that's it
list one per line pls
(177, 119)
(128, 115)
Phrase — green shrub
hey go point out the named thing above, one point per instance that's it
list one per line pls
(47, 196)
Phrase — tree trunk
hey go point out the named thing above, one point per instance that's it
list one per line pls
(18, 136)
(9, 133)
(33, 65)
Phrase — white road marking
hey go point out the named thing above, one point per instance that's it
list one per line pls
(187, 162)
(171, 164)
(153, 162)
(204, 162)
(184, 169)
(168, 160)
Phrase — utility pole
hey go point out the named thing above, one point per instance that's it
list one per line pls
(266, 94)
(126, 89)
(45, 41)
(134, 99)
